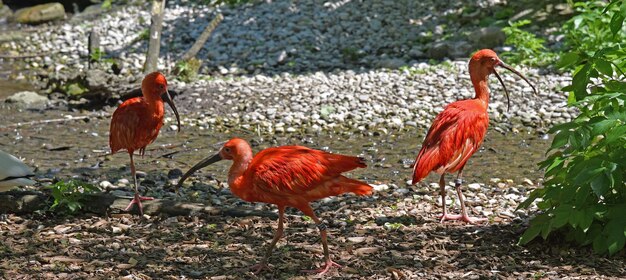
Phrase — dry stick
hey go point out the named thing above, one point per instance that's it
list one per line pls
(70, 118)
(156, 25)
(28, 55)
(195, 48)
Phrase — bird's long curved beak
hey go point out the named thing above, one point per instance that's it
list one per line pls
(168, 99)
(203, 163)
(506, 91)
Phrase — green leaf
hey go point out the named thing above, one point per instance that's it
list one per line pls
(590, 168)
(614, 232)
(538, 223)
(529, 234)
(616, 24)
(586, 219)
(599, 244)
(604, 67)
(602, 126)
(563, 126)
(533, 195)
(561, 216)
(567, 60)
(600, 184)
(560, 139)
(615, 134)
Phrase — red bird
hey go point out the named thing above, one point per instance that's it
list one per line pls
(458, 131)
(136, 123)
(288, 176)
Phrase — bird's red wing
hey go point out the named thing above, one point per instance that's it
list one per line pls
(131, 126)
(456, 133)
(293, 170)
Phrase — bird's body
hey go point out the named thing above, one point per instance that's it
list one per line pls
(135, 124)
(456, 134)
(458, 131)
(13, 172)
(293, 176)
(137, 121)
(288, 176)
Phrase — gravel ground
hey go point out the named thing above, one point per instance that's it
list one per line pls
(282, 66)
(283, 72)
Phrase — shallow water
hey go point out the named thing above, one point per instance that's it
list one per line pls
(79, 148)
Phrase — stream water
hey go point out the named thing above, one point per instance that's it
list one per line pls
(78, 148)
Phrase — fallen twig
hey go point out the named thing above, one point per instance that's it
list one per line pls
(68, 118)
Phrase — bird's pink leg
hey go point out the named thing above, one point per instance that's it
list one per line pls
(279, 233)
(137, 199)
(464, 217)
(442, 190)
(322, 227)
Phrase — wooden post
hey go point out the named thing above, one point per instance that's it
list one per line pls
(94, 47)
(156, 25)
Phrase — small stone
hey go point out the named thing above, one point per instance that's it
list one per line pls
(105, 185)
(27, 98)
(174, 173)
(381, 187)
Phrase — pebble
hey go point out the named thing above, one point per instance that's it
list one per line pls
(381, 187)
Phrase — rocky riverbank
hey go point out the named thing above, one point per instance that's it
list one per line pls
(283, 66)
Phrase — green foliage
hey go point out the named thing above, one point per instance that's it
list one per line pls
(187, 70)
(96, 55)
(144, 35)
(68, 195)
(528, 49)
(596, 26)
(585, 189)
(74, 88)
(106, 4)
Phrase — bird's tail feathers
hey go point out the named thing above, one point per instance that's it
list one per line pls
(424, 164)
(357, 187)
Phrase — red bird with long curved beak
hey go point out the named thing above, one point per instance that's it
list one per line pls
(288, 176)
(137, 121)
(458, 131)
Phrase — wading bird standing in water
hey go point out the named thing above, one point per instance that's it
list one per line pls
(288, 176)
(458, 131)
(136, 123)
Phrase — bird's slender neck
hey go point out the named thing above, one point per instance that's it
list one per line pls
(240, 165)
(154, 101)
(479, 81)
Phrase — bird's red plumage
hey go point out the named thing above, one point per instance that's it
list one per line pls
(135, 124)
(295, 175)
(456, 133)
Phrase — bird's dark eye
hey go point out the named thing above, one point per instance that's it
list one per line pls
(227, 150)
(493, 59)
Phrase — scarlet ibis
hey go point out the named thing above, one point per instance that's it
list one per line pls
(137, 121)
(13, 172)
(458, 131)
(288, 176)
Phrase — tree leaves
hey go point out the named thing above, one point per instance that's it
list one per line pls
(584, 190)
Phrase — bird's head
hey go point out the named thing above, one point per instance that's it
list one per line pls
(154, 87)
(484, 62)
(233, 149)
